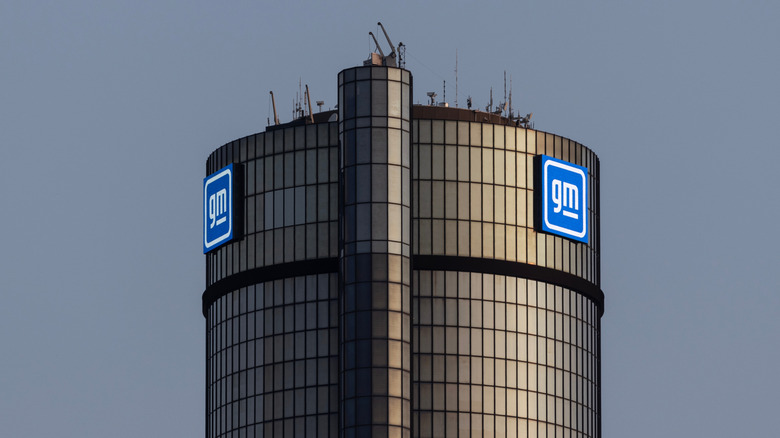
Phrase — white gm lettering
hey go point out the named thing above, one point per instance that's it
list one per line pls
(218, 207)
(565, 195)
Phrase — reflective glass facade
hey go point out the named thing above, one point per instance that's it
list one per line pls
(473, 190)
(391, 280)
(497, 355)
(272, 343)
(374, 259)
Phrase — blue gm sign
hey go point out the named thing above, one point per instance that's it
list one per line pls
(218, 209)
(564, 199)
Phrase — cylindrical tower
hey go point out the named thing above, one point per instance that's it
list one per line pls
(393, 270)
(375, 251)
(506, 319)
(272, 294)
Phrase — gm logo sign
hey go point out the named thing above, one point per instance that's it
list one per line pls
(564, 199)
(218, 211)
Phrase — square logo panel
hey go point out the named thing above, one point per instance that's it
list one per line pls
(564, 199)
(218, 208)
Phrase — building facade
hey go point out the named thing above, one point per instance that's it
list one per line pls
(389, 277)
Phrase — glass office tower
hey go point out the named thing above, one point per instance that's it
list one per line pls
(392, 280)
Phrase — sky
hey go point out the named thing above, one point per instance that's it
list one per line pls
(109, 109)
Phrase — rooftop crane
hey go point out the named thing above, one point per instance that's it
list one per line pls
(276, 117)
(388, 60)
(377, 45)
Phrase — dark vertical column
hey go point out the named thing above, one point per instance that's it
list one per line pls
(374, 255)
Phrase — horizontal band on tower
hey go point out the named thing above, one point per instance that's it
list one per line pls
(419, 262)
(267, 273)
(513, 269)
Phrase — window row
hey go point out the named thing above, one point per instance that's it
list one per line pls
(274, 141)
(280, 292)
(366, 92)
(476, 202)
(467, 425)
(283, 245)
(380, 267)
(292, 169)
(377, 145)
(473, 164)
(502, 345)
(289, 318)
(376, 416)
(376, 183)
(504, 242)
(499, 401)
(374, 72)
(505, 288)
(440, 314)
(381, 222)
(376, 325)
(293, 206)
(273, 378)
(478, 370)
(500, 137)
(368, 382)
(301, 413)
(374, 98)
(381, 294)
(264, 346)
(273, 349)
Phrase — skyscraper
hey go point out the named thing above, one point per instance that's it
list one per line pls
(400, 270)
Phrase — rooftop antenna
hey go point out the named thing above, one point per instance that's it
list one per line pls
(297, 110)
(319, 104)
(300, 98)
(525, 121)
(489, 108)
(388, 60)
(468, 102)
(273, 102)
(456, 78)
(511, 112)
(432, 96)
(444, 91)
(308, 99)
(401, 55)
(505, 101)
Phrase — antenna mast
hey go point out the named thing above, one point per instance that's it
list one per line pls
(456, 78)
(510, 97)
(300, 99)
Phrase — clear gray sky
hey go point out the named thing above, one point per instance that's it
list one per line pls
(109, 109)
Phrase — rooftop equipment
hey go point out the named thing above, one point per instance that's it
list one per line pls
(388, 60)
(380, 58)
(432, 95)
(276, 117)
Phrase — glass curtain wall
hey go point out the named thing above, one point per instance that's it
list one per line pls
(498, 355)
(272, 346)
(374, 125)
